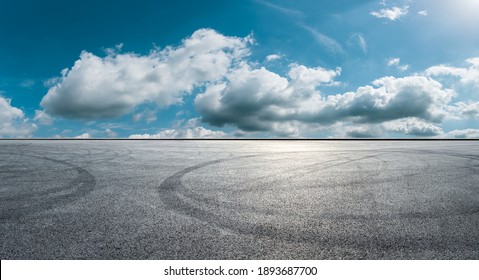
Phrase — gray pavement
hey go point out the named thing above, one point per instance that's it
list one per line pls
(239, 200)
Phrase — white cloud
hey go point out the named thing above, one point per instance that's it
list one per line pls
(413, 126)
(148, 115)
(281, 9)
(403, 67)
(13, 122)
(327, 42)
(358, 131)
(28, 83)
(396, 62)
(110, 133)
(190, 129)
(272, 57)
(393, 13)
(464, 110)
(357, 39)
(422, 13)
(261, 100)
(465, 133)
(83, 136)
(241, 95)
(108, 87)
(389, 98)
(407, 126)
(467, 75)
(197, 132)
(43, 118)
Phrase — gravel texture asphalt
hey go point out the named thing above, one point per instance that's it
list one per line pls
(239, 199)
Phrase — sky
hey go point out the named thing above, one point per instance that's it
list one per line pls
(239, 69)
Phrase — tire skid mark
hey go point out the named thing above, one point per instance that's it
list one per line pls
(171, 192)
(170, 197)
(198, 198)
(40, 201)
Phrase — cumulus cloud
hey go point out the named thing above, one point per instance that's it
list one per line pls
(43, 118)
(360, 131)
(388, 98)
(467, 75)
(13, 122)
(239, 94)
(196, 132)
(261, 100)
(407, 126)
(148, 115)
(413, 126)
(465, 133)
(107, 87)
(190, 129)
(256, 99)
(467, 110)
(392, 14)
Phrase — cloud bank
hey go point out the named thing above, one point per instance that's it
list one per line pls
(234, 92)
(260, 100)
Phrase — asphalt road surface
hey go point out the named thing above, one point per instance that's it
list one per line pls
(239, 200)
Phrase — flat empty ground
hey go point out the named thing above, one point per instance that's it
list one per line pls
(239, 200)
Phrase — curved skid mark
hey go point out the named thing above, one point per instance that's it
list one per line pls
(45, 200)
(261, 181)
(169, 191)
(170, 197)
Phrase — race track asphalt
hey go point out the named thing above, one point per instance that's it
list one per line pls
(239, 199)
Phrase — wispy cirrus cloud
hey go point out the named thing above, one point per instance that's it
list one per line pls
(281, 9)
(331, 45)
(358, 40)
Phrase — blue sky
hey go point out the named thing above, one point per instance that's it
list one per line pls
(227, 69)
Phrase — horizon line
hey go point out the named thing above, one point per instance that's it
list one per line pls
(243, 139)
